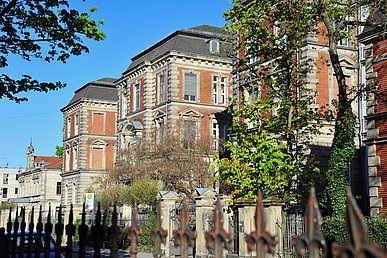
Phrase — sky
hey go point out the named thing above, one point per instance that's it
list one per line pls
(130, 27)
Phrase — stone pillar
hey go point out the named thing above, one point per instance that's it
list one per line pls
(273, 216)
(204, 209)
(227, 217)
(246, 224)
(167, 203)
(246, 213)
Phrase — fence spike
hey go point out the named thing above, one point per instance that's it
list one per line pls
(114, 234)
(70, 232)
(98, 232)
(218, 238)
(158, 234)
(260, 237)
(312, 239)
(23, 225)
(3, 243)
(30, 233)
(15, 230)
(48, 231)
(59, 233)
(39, 229)
(9, 230)
(184, 237)
(134, 232)
(83, 229)
(359, 245)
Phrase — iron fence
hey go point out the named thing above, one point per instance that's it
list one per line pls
(18, 240)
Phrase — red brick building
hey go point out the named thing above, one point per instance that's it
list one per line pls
(89, 138)
(375, 72)
(175, 87)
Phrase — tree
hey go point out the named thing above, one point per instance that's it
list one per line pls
(59, 151)
(253, 21)
(177, 167)
(271, 130)
(48, 30)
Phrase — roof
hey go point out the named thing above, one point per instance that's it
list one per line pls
(50, 162)
(192, 41)
(102, 89)
(377, 24)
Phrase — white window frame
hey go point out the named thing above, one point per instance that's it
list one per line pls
(76, 124)
(214, 46)
(124, 105)
(188, 97)
(219, 89)
(136, 96)
(161, 88)
(68, 127)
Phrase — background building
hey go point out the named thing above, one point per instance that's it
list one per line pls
(89, 138)
(40, 183)
(374, 71)
(9, 183)
(174, 88)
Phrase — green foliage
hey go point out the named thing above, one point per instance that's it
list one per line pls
(270, 135)
(59, 151)
(142, 191)
(377, 230)
(145, 241)
(343, 152)
(109, 196)
(6, 206)
(334, 229)
(48, 30)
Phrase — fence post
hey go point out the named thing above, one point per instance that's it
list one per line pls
(167, 203)
(273, 214)
(246, 213)
(227, 217)
(204, 206)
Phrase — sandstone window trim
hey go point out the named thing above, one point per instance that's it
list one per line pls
(98, 144)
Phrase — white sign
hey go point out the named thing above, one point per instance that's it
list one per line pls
(90, 201)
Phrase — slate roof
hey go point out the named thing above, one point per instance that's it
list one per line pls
(102, 89)
(377, 17)
(190, 41)
(49, 161)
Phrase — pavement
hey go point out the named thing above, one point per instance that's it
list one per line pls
(106, 253)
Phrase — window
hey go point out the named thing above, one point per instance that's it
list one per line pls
(254, 96)
(189, 136)
(98, 123)
(190, 86)
(346, 32)
(69, 127)
(67, 158)
(75, 156)
(219, 89)
(16, 190)
(215, 134)
(17, 177)
(76, 124)
(5, 192)
(137, 97)
(214, 46)
(161, 88)
(58, 187)
(124, 105)
(5, 179)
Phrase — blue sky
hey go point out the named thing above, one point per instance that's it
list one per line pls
(130, 26)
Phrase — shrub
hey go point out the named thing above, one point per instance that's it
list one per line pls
(334, 229)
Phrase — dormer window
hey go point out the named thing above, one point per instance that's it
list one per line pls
(214, 46)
